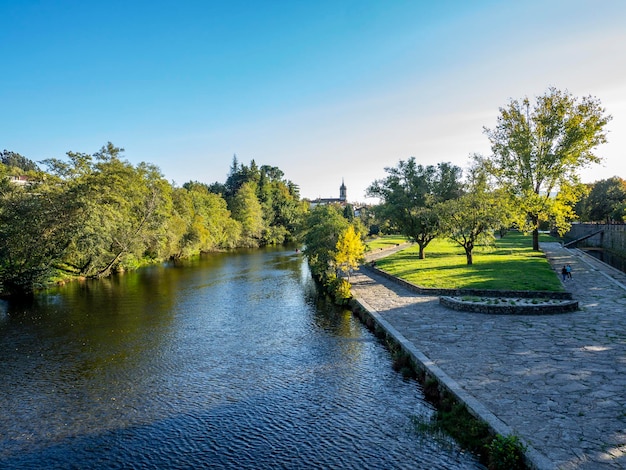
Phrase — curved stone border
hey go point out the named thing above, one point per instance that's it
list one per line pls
(564, 306)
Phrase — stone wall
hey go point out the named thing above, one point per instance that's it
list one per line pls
(613, 237)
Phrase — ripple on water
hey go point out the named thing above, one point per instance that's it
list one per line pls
(230, 364)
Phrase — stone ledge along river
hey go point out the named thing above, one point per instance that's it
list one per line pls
(229, 361)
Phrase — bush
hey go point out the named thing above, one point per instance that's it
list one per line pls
(506, 453)
(339, 288)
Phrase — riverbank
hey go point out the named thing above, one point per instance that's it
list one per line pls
(556, 381)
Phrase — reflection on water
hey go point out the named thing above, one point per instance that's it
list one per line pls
(229, 361)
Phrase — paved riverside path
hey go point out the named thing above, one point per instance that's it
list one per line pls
(557, 381)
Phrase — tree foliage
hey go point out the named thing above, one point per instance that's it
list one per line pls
(37, 224)
(538, 149)
(17, 161)
(123, 211)
(605, 202)
(201, 222)
(94, 214)
(472, 218)
(321, 233)
(410, 194)
(281, 208)
(333, 245)
(247, 210)
(350, 250)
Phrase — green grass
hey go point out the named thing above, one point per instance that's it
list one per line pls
(386, 241)
(509, 265)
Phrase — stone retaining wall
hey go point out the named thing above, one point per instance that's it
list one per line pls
(613, 238)
(427, 371)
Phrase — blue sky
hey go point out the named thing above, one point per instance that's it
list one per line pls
(324, 90)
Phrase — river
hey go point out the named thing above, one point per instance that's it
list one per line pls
(228, 361)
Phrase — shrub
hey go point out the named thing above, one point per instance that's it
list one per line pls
(506, 453)
(339, 288)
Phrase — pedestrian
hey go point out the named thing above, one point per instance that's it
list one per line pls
(564, 273)
(568, 269)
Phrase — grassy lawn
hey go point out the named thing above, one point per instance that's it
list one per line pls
(386, 241)
(509, 265)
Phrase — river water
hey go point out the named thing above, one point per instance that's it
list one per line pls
(229, 361)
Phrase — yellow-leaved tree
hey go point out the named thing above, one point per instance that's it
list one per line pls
(350, 249)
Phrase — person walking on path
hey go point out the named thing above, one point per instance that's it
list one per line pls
(568, 270)
(564, 273)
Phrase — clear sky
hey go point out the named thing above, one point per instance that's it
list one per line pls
(324, 89)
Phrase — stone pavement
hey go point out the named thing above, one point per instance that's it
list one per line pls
(556, 381)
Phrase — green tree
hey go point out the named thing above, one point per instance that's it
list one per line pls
(323, 226)
(240, 174)
(211, 212)
(181, 241)
(333, 246)
(472, 218)
(37, 223)
(247, 210)
(348, 212)
(201, 222)
(15, 160)
(282, 209)
(409, 195)
(123, 211)
(607, 200)
(509, 215)
(538, 150)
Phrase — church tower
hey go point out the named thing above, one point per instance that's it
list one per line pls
(342, 192)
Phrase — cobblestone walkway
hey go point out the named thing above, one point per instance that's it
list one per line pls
(558, 381)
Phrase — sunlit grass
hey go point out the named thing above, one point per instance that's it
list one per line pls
(386, 241)
(509, 265)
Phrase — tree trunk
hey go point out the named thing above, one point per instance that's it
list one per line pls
(107, 270)
(535, 223)
(469, 256)
(421, 255)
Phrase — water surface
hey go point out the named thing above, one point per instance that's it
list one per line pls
(229, 361)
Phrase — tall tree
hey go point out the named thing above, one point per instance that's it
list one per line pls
(472, 218)
(409, 195)
(201, 222)
(333, 245)
(37, 223)
(607, 200)
(538, 149)
(238, 175)
(123, 210)
(247, 209)
(323, 227)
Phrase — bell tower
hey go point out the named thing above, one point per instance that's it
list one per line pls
(342, 192)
